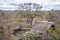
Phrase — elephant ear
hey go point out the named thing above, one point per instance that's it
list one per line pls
(41, 26)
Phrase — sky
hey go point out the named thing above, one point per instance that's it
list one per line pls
(13, 4)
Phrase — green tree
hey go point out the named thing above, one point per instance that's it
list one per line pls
(28, 14)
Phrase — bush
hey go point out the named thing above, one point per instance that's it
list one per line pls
(31, 36)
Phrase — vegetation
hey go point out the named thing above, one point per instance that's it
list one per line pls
(9, 20)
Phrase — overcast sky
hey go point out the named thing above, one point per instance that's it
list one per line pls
(47, 4)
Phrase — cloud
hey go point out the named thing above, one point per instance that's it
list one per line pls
(47, 4)
(8, 4)
(8, 7)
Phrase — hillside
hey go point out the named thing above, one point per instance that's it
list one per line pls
(9, 20)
